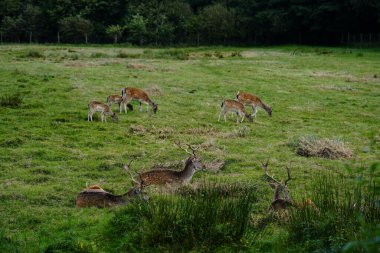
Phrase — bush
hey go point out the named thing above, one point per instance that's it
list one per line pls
(326, 148)
(34, 54)
(205, 218)
(344, 207)
(126, 55)
(12, 101)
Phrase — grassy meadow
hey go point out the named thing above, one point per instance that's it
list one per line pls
(49, 151)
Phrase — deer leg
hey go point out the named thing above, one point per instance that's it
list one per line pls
(88, 116)
(140, 107)
(220, 114)
(254, 111)
(120, 107)
(102, 117)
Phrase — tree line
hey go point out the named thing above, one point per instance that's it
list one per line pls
(194, 22)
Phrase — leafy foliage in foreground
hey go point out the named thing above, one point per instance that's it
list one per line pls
(206, 218)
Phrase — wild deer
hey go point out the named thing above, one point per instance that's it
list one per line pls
(117, 99)
(160, 176)
(96, 196)
(139, 95)
(254, 102)
(104, 110)
(282, 198)
(233, 106)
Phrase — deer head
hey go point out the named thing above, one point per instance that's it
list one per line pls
(193, 161)
(281, 189)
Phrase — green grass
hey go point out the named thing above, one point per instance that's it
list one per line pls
(48, 151)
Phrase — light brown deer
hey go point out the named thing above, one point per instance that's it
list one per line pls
(118, 99)
(130, 93)
(103, 109)
(233, 106)
(97, 197)
(253, 101)
(171, 177)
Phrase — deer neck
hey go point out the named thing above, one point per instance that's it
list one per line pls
(265, 107)
(187, 173)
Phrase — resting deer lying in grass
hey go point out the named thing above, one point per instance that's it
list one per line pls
(104, 110)
(139, 95)
(117, 99)
(233, 106)
(166, 176)
(96, 196)
(254, 101)
(282, 198)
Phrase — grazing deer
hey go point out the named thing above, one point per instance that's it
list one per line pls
(166, 176)
(233, 106)
(254, 101)
(139, 95)
(96, 196)
(117, 99)
(282, 198)
(104, 110)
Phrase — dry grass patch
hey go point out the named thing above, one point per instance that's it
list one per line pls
(139, 66)
(326, 148)
(154, 90)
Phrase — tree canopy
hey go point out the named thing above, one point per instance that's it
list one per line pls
(188, 21)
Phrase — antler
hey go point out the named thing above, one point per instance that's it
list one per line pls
(288, 169)
(127, 168)
(187, 151)
(265, 167)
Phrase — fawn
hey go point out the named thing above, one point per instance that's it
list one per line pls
(233, 106)
(104, 110)
(254, 101)
(96, 196)
(117, 99)
(139, 95)
(166, 176)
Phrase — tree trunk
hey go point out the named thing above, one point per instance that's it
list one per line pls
(115, 39)
(30, 37)
(85, 36)
(1, 37)
(58, 38)
(198, 39)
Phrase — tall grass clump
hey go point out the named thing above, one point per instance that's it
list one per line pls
(34, 54)
(12, 101)
(201, 219)
(177, 54)
(344, 209)
(326, 148)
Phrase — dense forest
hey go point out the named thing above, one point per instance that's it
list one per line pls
(192, 22)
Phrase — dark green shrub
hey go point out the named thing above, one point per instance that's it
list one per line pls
(12, 101)
(34, 54)
(204, 219)
(339, 201)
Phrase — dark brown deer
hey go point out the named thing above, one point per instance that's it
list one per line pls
(282, 198)
(97, 197)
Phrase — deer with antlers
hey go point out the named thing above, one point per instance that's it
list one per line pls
(282, 198)
(95, 196)
(162, 176)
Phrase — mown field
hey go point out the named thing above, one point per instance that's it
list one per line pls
(49, 152)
